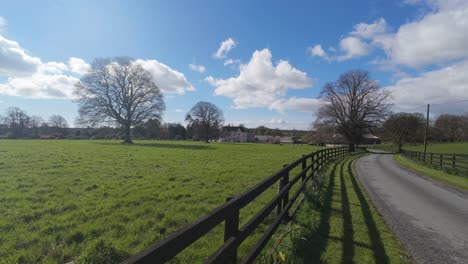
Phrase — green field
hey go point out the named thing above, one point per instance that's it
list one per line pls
(91, 201)
(456, 148)
(345, 228)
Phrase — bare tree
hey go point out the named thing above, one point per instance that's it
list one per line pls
(354, 105)
(17, 120)
(58, 122)
(401, 128)
(452, 127)
(208, 116)
(118, 91)
(35, 123)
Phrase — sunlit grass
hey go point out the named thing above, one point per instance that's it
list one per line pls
(63, 201)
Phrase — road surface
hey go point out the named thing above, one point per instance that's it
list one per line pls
(430, 218)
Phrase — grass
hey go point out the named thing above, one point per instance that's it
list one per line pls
(345, 228)
(452, 148)
(439, 175)
(101, 201)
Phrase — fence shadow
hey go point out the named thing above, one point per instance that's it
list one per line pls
(311, 248)
(380, 255)
(348, 231)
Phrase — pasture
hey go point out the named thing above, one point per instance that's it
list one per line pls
(455, 148)
(92, 201)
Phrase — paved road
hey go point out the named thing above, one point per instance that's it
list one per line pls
(430, 218)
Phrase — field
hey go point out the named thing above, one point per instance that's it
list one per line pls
(343, 228)
(455, 148)
(97, 201)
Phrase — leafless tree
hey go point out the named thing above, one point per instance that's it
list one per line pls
(17, 120)
(118, 91)
(58, 122)
(354, 105)
(401, 128)
(208, 116)
(35, 123)
(452, 127)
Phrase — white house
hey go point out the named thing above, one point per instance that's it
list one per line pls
(236, 134)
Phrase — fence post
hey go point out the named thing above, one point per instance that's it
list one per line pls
(286, 195)
(431, 158)
(231, 229)
(304, 165)
(424, 157)
(280, 187)
(453, 162)
(441, 163)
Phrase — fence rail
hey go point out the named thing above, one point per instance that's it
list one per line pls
(310, 165)
(455, 162)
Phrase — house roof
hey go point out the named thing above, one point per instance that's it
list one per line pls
(369, 136)
(235, 128)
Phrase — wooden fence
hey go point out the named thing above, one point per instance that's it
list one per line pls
(310, 165)
(456, 162)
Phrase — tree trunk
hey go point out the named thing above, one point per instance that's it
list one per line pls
(351, 147)
(127, 130)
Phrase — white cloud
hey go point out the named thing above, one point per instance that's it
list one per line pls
(197, 68)
(368, 31)
(318, 51)
(49, 81)
(28, 76)
(443, 85)
(166, 78)
(14, 60)
(440, 36)
(3, 23)
(78, 66)
(260, 83)
(353, 48)
(180, 111)
(231, 62)
(224, 48)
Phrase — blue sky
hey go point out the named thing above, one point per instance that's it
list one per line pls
(282, 52)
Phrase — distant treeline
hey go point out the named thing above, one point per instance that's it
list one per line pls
(15, 123)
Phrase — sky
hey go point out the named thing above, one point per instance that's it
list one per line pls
(261, 62)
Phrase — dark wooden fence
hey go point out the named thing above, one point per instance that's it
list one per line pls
(310, 166)
(455, 162)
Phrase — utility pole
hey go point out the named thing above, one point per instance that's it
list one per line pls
(427, 128)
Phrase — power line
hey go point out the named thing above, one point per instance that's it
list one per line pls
(423, 106)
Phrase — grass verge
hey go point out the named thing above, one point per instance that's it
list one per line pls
(439, 175)
(344, 227)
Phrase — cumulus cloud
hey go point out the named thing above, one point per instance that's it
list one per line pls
(438, 37)
(231, 62)
(197, 68)
(350, 47)
(224, 48)
(49, 81)
(443, 85)
(14, 60)
(166, 78)
(353, 48)
(78, 66)
(260, 83)
(28, 76)
(318, 51)
(368, 31)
